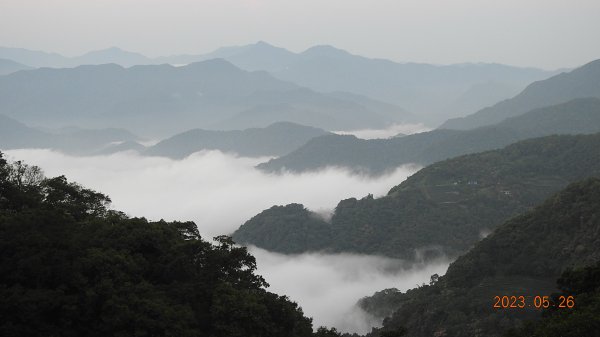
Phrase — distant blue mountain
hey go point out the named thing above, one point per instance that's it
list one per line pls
(433, 93)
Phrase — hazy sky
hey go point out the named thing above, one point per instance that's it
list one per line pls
(543, 33)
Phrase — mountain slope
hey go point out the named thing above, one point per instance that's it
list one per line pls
(16, 135)
(581, 82)
(9, 66)
(39, 59)
(337, 111)
(111, 55)
(379, 155)
(445, 207)
(522, 257)
(276, 139)
(427, 90)
(34, 58)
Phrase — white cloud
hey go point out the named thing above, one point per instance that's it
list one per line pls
(328, 286)
(217, 191)
(391, 131)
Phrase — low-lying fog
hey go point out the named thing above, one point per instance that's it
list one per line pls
(391, 131)
(220, 191)
(327, 286)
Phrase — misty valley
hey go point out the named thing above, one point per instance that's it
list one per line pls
(262, 191)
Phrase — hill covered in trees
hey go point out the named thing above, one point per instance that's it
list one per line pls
(523, 257)
(444, 208)
(377, 156)
(583, 320)
(70, 266)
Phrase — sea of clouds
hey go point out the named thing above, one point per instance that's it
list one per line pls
(221, 191)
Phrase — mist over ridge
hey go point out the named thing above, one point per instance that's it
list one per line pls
(206, 186)
(328, 286)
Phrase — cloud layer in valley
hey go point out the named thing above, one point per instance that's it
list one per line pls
(220, 191)
(391, 131)
(328, 285)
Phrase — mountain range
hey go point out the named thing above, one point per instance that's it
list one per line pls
(161, 100)
(377, 156)
(432, 92)
(273, 140)
(39, 59)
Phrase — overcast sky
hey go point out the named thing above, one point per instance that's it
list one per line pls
(542, 33)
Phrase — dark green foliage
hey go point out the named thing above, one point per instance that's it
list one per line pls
(393, 333)
(291, 228)
(324, 332)
(444, 208)
(377, 156)
(71, 267)
(524, 256)
(582, 320)
(383, 303)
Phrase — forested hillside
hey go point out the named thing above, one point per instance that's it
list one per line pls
(444, 208)
(70, 266)
(523, 257)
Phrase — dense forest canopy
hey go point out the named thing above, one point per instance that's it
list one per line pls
(446, 206)
(524, 256)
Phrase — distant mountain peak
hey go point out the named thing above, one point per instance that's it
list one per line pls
(214, 64)
(112, 51)
(262, 43)
(265, 47)
(325, 50)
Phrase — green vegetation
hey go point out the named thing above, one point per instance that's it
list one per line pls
(444, 208)
(291, 229)
(378, 156)
(582, 320)
(69, 266)
(522, 257)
